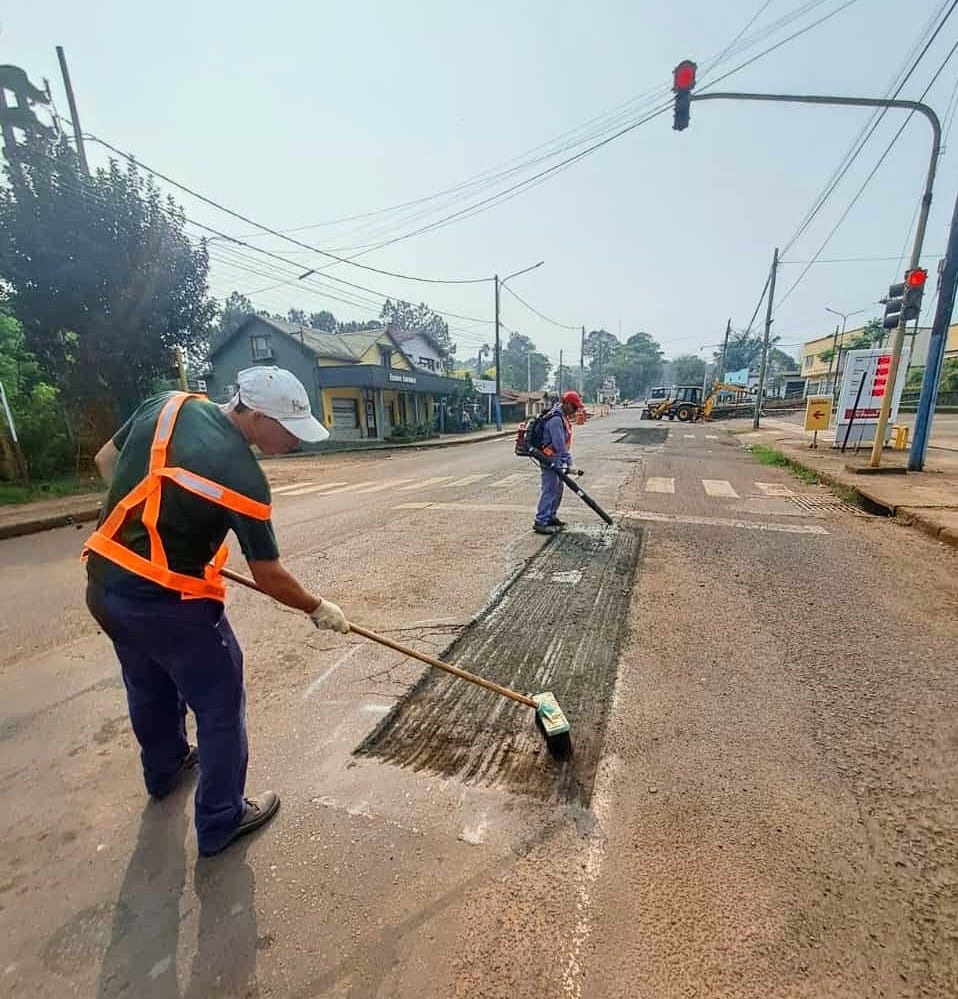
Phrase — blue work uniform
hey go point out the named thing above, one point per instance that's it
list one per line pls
(557, 440)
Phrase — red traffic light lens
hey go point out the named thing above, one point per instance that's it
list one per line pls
(683, 76)
(917, 278)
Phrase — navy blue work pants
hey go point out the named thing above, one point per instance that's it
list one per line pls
(550, 496)
(176, 654)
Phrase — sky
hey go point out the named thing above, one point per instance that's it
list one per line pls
(301, 114)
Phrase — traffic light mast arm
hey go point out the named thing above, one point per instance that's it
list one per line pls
(870, 102)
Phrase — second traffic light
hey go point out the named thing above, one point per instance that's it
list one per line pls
(683, 80)
(903, 303)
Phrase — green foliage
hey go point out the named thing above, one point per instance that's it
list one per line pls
(636, 365)
(323, 320)
(14, 492)
(35, 404)
(688, 370)
(519, 358)
(100, 273)
(420, 319)
(772, 456)
(353, 326)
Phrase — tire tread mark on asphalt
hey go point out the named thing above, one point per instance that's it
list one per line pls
(541, 635)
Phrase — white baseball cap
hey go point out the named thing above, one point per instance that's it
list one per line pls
(279, 394)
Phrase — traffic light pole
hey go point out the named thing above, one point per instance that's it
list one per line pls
(936, 350)
(867, 102)
(498, 350)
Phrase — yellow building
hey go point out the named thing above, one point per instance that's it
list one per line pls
(361, 385)
(821, 374)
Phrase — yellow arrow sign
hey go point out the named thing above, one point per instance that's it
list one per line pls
(818, 413)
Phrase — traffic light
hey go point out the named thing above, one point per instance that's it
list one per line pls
(683, 80)
(893, 306)
(914, 290)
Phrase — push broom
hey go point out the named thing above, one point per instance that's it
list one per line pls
(550, 719)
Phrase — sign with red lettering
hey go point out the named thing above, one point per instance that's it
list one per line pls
(865, 384)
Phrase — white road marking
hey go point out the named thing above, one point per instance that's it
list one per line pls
(314, 685)
(659, 484)
(383, 486)
(305, 490)
(478, 507)
(711, 437)
(467, 481)
(719, 488)
(279, 490)
(351, 488)
(425, 483)
(774, 489)
(569, 577)
(511, 480)
(689, 437)
(744, 525)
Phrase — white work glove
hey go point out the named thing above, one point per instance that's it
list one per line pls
(574, 471)
(329, 615)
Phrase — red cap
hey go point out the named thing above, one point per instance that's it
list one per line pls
(573, 399)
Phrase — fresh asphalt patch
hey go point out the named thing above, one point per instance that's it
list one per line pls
(642, 435)
(559, 626)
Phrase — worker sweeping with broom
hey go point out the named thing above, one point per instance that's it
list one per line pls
(181, 474)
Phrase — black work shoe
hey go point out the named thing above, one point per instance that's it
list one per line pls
(187, 766)
(258, 812)
(545, 528)
(555, 522)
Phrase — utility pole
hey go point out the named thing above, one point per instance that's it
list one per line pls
(181, 369)
(948, 281)
(22, 467)
(74, 115)
(720, 375)
(498, 361)
(559, 378)
(768, 330)
(582, 362)
(529, 371)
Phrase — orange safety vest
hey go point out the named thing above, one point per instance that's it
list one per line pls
(148, 495)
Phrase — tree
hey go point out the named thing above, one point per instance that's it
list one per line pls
(520, 359)
(100, 273)
(688, 369)
(324, 321)
(297, 317)
(233, 311)
(597, 349)
(420, 319)
(635, 365)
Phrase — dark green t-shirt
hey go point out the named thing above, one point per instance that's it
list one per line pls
(206, 442)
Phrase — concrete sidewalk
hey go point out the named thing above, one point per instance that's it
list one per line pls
(927, 500)
(43, 515)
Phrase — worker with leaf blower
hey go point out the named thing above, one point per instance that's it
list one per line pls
(556, 436)
(181, 474)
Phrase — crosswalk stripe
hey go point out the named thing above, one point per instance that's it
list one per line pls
(711, 437)
(774, 489)
(425, 483)
(313, 489)
(478, 507)
(689, 437)
(658, 484)
(720, 488)
(467, 481)
(382, 486)
(351, 488)
(279, 490)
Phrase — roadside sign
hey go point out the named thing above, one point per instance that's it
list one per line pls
(484, 386)
(818, 412)
(863, 388)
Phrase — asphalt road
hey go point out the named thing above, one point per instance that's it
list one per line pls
(771, 810)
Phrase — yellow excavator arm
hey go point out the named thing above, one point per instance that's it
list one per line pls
(717, 389)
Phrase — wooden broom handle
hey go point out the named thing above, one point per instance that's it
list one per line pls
(410, 652)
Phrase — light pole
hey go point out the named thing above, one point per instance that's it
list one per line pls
(844, 316)
(498, 285)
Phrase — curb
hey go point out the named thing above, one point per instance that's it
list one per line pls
(35, 526)
(415, 445)
(904, 515)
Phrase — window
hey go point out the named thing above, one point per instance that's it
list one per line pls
(808, 361)
(386, 357)
(427, 362)
(261, 346)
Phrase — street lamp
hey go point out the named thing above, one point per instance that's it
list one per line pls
(498, 285)
(838, 343)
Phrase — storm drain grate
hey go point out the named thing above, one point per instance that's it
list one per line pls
(825, 501)
(558, 627)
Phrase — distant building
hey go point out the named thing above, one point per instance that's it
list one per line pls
(360, 385)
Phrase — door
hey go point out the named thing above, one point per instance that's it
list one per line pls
(346, 419)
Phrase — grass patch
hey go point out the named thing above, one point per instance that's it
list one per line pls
(772, 456)
(13, 492)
